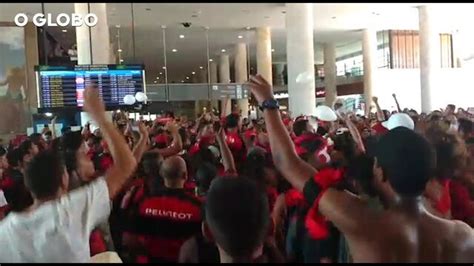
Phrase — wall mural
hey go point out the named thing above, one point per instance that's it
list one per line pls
(14, 101)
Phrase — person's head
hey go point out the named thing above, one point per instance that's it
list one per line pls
(360, 169)
(344, 148)
(151, 163)
(3, 159)
(174, 172)
(466, 127)
(313, 149)
(13, 158)
(450, 109)
(27, 150)
(301, 126)
(236, 217)
(205, 174)
(75, 155)
(232, 121)
(451, 154)
(407, 161)
(39, 141)
(259, 167)
(46, 176)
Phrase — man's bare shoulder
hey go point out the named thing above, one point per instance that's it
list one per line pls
(463, 241)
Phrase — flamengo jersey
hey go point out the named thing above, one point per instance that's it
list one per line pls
(165, 221)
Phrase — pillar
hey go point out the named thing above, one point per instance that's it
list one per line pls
(264, 53)
(99, 36)
(240, 66)
(93, 44)
(224, 77)
(300, 58)
(330, 73)
(369, 57)
(213, 80)
(429, 56)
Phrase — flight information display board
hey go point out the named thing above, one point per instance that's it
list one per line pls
(63, 86)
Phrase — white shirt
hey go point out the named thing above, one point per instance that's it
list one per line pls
(58, 231)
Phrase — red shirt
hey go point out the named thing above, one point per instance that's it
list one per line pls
(462, 207)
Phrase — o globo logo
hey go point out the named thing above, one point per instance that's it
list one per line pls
(63, 19)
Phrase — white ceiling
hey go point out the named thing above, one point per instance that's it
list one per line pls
(339, 23)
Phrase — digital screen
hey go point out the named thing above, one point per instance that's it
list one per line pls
(63, 86)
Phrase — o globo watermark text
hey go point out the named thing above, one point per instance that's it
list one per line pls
(62, 19)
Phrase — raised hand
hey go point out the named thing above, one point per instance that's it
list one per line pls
(142, 129)
(172, 127)
(394, 95)
(260, 88)
(93, 104)
(376, 99)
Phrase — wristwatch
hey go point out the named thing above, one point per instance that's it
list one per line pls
(271, 104)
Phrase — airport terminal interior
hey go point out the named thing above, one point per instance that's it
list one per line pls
(151, 132)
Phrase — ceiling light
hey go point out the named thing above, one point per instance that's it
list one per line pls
(161, 73)
(117, 26)
(223, 50)
(193, 73)
(157, 77)
(201, 67)
(64, 30)
(247, 28)
(121, 60)
(210, 60)
(182, 81)
(181, 36)
(164, 67)
(187, 77)
(155, 81)
(240, 36)
(174, 50)
(273, 50)
(119, 50)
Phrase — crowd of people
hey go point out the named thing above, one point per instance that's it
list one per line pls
(327, 187)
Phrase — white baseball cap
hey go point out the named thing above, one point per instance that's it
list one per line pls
(325, 113)
(399, 120)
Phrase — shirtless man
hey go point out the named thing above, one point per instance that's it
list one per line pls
(405, 231)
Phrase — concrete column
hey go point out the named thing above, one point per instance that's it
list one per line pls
(429, 57)
(224, 77)
(240, 66)
(330, 73)
(369, 55)
(264, 53)
(300, 58)
(93, 47)
(213, 80)
(99, 36)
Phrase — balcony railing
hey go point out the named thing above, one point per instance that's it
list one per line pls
(195, 92)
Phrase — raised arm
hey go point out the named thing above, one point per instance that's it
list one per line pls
(53, 127)
(380, 114)
(124, 162)
(340, 207)
(227, 157)
(177, 144)
(142, 144)
(355, 134)
(295, 170)
(396, 102)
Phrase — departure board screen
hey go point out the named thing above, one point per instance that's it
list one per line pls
(63, 86)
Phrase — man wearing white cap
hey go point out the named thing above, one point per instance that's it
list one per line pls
(399, 120)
